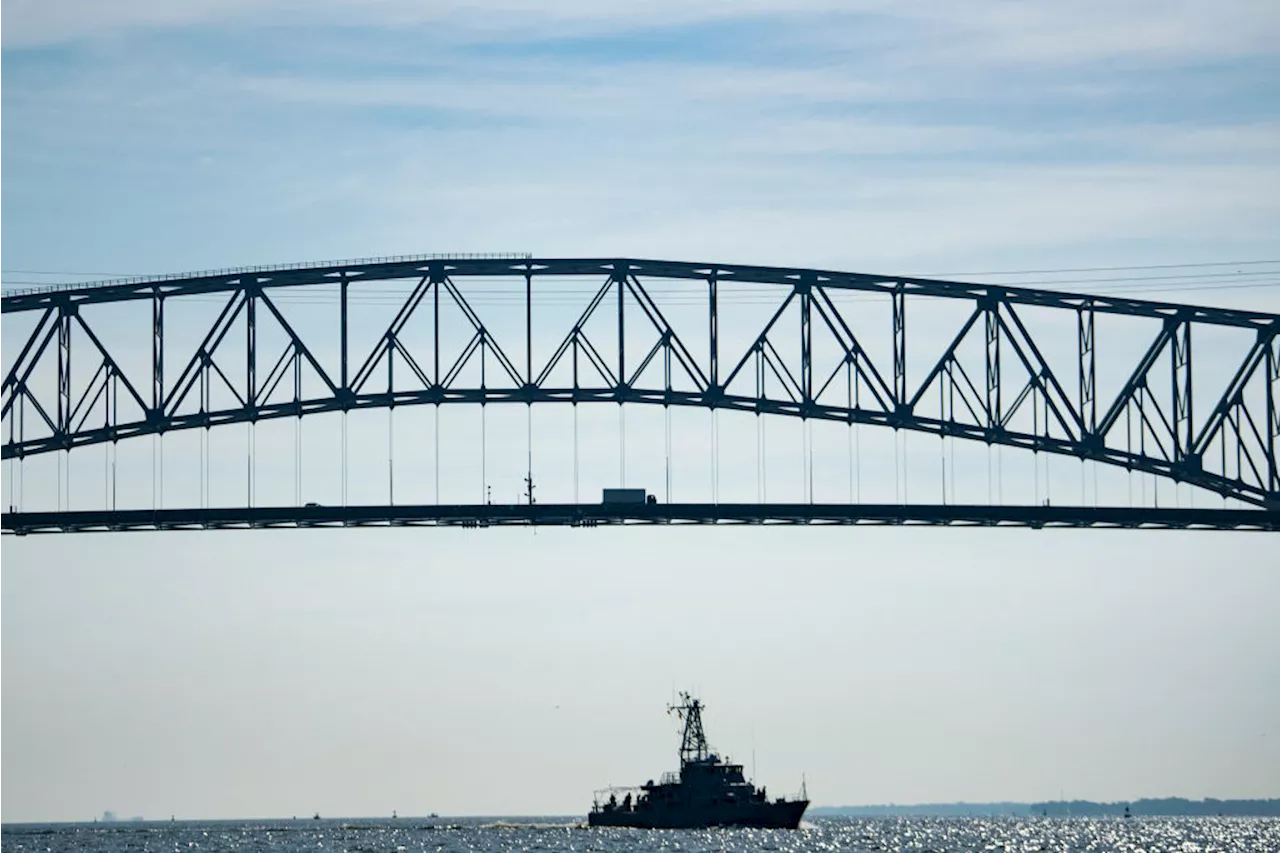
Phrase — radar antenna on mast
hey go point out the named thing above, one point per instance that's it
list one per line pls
(693, 743)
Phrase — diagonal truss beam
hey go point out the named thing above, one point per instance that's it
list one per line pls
(1242, 419)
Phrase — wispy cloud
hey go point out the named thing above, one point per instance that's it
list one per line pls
(877, 134)
(968, 30)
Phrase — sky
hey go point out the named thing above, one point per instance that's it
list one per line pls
(511, 672)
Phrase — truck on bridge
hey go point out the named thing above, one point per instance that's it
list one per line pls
(627, 496)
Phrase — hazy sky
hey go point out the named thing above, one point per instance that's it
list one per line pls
(357, 672)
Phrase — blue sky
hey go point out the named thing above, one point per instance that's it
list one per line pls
(889, 136)
(143, 137)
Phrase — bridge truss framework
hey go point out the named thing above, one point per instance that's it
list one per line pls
(992, 383)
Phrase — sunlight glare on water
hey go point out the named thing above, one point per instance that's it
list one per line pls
(485, 835)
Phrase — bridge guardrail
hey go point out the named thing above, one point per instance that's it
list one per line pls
(308, 265)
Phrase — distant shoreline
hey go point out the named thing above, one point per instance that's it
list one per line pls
(1149, 807)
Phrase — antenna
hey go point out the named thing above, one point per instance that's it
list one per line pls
(693, 742)
(753, 751)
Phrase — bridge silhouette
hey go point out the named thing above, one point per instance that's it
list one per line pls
(972, 364)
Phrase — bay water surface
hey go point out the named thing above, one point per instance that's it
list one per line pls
(490, 835)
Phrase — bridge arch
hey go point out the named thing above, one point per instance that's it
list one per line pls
(995, 379)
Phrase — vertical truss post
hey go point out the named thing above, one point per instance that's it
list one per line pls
(899, 348)
(714, 326)
(65, 312)
(1087, 370)
(1181, 378)
(1273, 414)
(666, 368)
(391, 363)
(346, 386)
(528, 330)
(620, 282)
(575, 368)
(251, 348)
(806, 341)
(437, 280)
(157, 352)
(759, 365)
(992, 319)
(110, 386)
(205, 404)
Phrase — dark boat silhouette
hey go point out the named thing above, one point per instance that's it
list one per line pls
(706, 792)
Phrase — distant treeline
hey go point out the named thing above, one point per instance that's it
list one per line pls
(1163, 807)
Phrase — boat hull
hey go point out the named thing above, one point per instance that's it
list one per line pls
(776, 815)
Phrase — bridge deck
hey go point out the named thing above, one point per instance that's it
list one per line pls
(592, 515)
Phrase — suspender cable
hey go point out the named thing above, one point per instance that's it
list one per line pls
(1000, 473)
(906, 454)
(715, 456)
(667, 411)
(857, 451)
(990, 488)
(897, 472)
(952, 444)
(764, 454)
(808, 459)
(759, 461)
(804, 456)
(942, 463)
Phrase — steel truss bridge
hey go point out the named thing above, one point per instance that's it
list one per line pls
(997, 380)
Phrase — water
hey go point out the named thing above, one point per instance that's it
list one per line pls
(486, 835)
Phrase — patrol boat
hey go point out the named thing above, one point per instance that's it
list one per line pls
(706, 792)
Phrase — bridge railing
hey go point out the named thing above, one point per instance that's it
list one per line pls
(308, 265)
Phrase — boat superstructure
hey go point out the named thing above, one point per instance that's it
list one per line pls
(707, 791)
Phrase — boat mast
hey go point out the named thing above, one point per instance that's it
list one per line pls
(693, 743)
